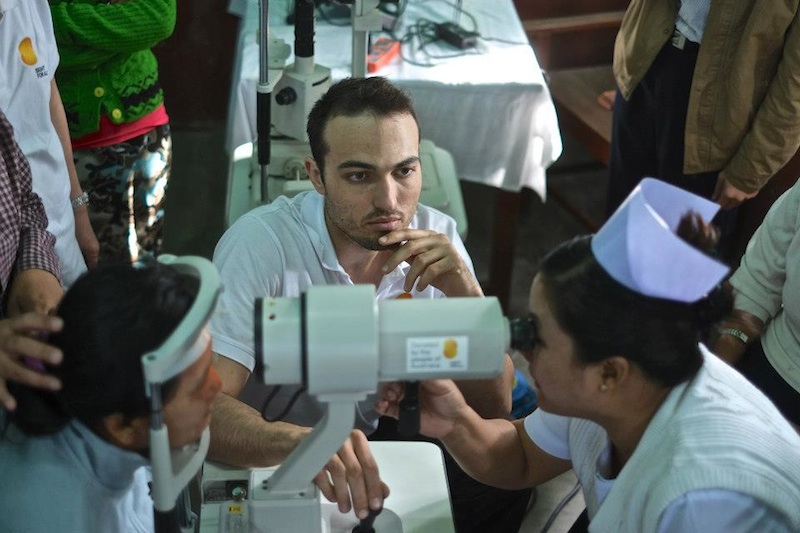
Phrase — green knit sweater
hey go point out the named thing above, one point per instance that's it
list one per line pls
(107, 67)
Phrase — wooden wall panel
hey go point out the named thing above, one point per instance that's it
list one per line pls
(580, 48)
(572, 33)
(533, 9)
(196, 62)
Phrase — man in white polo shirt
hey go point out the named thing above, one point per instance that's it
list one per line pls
(362, 224)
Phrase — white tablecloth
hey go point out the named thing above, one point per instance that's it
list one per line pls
(490, 108)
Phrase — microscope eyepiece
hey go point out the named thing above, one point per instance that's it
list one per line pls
(524, 335)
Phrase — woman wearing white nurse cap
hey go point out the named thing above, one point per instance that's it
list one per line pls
(663, 436)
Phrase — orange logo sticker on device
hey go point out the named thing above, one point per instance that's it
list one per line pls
(450, 348)
(27, 53)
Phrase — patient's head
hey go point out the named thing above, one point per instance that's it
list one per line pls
(112, 316)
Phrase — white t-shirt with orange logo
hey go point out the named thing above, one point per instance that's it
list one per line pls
(28, 61)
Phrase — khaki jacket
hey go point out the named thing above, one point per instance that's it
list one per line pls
(744, 109)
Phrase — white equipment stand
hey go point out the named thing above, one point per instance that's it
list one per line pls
(419, 501)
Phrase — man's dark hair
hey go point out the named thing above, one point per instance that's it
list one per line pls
(112, 316)
(352, 97)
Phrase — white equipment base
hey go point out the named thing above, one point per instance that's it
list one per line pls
(414, 471)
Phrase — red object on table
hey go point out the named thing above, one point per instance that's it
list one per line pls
(382, 51)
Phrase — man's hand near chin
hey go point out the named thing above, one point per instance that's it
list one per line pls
(434, 261)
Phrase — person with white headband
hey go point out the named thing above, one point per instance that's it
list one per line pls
(663, 436)
(137, 389)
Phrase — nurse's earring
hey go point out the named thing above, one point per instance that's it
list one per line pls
(613, 371)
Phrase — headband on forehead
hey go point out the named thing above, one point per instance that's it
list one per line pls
(188, 342)
(639, 248)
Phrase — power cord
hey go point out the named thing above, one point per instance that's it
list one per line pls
(416, 40)
(333, 13)
(286, 409)
(560, 507)
(418, 37)
(505, 41)
(396, 12)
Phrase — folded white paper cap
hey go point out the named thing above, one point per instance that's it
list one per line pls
(639, 248)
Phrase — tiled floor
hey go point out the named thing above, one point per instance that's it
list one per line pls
(194, 222)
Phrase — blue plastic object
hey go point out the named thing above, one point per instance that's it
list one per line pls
(523, 397)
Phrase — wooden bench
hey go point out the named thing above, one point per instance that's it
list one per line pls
(548, 24)
(570, 34)
(581, 40)
(574, 43)
(573, 40)
(575, 93)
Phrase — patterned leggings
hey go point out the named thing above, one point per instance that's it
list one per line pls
(127, 183)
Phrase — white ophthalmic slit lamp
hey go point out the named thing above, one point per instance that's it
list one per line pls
(338, 343)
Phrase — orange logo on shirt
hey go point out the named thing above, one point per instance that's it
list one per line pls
(27, 53)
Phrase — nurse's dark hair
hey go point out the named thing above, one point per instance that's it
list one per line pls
(351, 97)
(605, 318)
(112, 316)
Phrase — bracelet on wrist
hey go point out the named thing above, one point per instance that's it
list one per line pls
(739, 334)
(78, 201)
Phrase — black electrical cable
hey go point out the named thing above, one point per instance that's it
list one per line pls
(288, 407)
(504, 41)
(560, 507)
(324, 11)
(418, 38)
(270, 397)
(396, 12)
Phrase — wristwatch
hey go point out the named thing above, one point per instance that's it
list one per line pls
(739, 334)
(78, 201)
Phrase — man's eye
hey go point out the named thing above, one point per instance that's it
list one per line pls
(357, 176)
(405, 172)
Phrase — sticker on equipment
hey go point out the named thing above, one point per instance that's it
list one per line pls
(437, 354)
